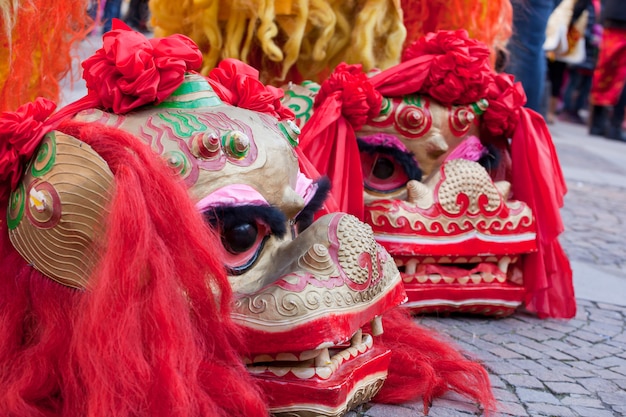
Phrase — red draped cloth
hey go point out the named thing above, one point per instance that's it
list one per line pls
(610, 74)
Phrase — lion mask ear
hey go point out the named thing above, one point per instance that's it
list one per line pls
(57, 212)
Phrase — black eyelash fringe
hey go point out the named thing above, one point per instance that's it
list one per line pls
(405, 159)
(227, 217)
(305, 218)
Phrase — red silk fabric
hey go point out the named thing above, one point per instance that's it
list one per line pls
(343, 105)
(20, 134)
(237, 83)
(539, 182)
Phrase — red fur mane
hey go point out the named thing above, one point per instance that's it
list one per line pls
(151, 336)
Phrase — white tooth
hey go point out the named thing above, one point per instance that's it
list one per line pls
(422, 279)
(500, 278)
(345, 355)
(488, 277)
(324, 372)
(263, 358)
(369, 341)
(410, 267)
(476, 278)
(407, 278)
(463, 280)
(445, 260)
(323, 359)
(279, 371)
(337, 361)
(429, 260)
(448, 280)
(460, 260)
(354, 352)
(289, 357)
(434, 278)
(491, 259)
(377, 326)
(303, 373)
(257, 369)
(357, 338)
(361, 347)
(503, 264)
(475, 260)
(308, 354)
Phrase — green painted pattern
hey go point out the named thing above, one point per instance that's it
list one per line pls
(480, 106)
(182, 125)
(292, 136)
(301, 111)
(17, 203)
(46, 156)
(413, 100)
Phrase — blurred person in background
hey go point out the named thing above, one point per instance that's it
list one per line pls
(137, 15)
(608, 95)
(527, 61)
(579, 75)
(112, 10)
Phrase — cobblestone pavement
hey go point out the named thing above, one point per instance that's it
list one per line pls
(553, 367)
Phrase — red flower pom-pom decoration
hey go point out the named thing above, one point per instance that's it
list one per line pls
(360, 100)
(20, 134)
(238, 84)
(130, 70)
(459, 67)
(505, 98)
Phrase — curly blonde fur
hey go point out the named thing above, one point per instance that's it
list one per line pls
(280, 36)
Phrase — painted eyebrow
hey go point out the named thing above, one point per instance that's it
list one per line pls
(236, 214)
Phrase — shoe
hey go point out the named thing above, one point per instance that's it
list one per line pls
(569, 116)
(615, 133)
(597, 121)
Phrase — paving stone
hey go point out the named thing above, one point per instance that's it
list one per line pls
(613, 398)
(504, 395)
(512, 409)
(598, 385)
(620, 410)
(550, 410)
(384, 410)
(620, 383)
(592, 412)
(496, 381)
(536, 396)
(556, 354)
(505, 353)
(587, 401)
(524, 381)
(588, 336)
(503, 368)
(610, 362)
(566, 388)
(578, 342)
(608, 374)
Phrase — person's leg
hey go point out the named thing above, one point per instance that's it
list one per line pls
(614, 129)
(573, 97)
(570, 92)
(112, 10)
(582, 100)
(527, 60)
(556, 72)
